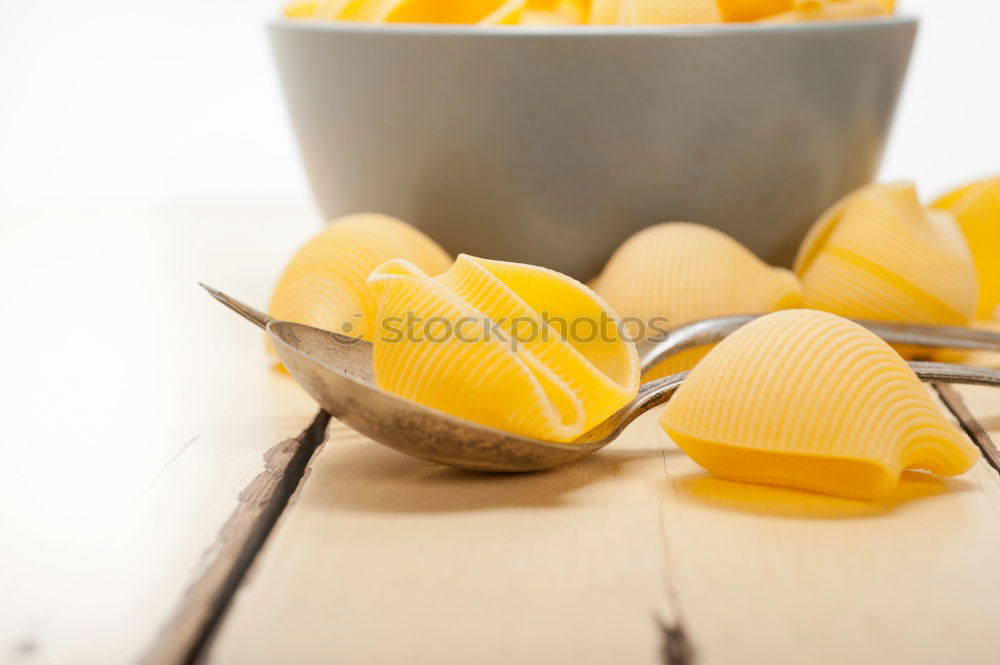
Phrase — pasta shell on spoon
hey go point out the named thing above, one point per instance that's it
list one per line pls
(499, 344)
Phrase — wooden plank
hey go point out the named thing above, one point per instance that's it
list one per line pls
(388, 559)
(136, 412)
(261, 503)
(634, 556)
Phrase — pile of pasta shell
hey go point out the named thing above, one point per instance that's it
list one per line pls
(585, 12)
(802, 397)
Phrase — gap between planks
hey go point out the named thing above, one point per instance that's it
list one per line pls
(952, 399)
(183, 638)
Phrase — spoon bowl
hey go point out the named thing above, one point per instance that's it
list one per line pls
(337, 371)
(339, 377)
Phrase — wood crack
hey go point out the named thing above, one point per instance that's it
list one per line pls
(184, 637)
(676, 647)
(953, 400)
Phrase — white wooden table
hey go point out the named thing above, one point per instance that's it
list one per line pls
(150, 450)
(136, 411)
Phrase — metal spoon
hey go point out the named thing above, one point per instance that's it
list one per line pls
(712, 331)
(337, 372)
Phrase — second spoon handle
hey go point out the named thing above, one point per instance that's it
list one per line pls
(712, 331)
(659, 391)
(949, 373)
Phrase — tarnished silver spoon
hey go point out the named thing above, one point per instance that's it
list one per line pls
(337, 372)
(712, 331)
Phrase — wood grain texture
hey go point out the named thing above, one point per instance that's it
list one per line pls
(633, 556)
(136, 411)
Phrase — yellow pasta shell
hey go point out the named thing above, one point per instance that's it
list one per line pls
(654, 12)
(877, 254)
(574, 12)
(809, 400)
(684, 272)
(605, 12)
(753, 10)
(666, 12)
(525, 375)
(976, 207)
(554, 12)
(300, 9)
(509, 13)
(324, 283)
(833, 10)
(432, 11)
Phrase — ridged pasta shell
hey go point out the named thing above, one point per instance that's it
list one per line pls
(877, 254)
(509, 13)
(753, 10)
(668, 12)
(686, 272)
(575, 12)
(977, 209)
(432, 11)
(324, 283)
(654, 12)
(833, 10)
(300, 9)
(810, 400)
(522, 376)
(555, 12)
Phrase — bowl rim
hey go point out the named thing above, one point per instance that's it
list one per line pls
(520, 32)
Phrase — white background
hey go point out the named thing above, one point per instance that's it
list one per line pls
(117, 100)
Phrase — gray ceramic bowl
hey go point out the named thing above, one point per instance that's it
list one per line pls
(551, 146)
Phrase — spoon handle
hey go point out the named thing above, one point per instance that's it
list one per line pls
(949, 373)
(935, 337)
(712, 331)
(659, 391)
(689, 336)
(246, 311)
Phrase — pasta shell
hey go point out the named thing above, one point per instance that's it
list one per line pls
(654, 12)
(485, 344)
(575, 12)
(976, 207)
(753, 10)
(877, 254)
(324, 283)
(509, 13)
(605, 12)
(432, 11)
(833, 10)
(809, 400)
(675, 273)
(300, 9)
(666, 12)
(554, 12)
